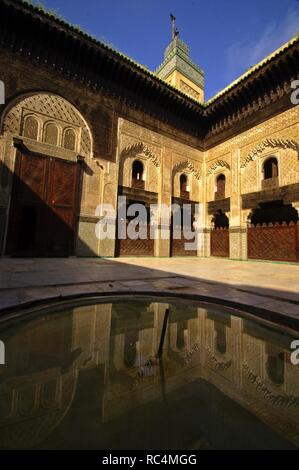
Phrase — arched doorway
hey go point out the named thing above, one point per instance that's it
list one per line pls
(44, 206)
(220, 235)
(138, 186)
(274, 232)
(183, 213)
(51, 139)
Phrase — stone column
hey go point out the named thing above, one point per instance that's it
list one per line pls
(207, 218)
(201, 230)
(162, 243)
(99, 187)
(235, 229)
(296, 206)
(237, 335)
(207, 235)
(7, 163)
(244, 229)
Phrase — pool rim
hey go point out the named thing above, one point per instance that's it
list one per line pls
(32, 309)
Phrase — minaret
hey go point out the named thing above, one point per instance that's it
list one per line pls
(179, 70)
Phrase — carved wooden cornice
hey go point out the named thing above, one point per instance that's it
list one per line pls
(235, 110)
(66, 51)
(274, 143)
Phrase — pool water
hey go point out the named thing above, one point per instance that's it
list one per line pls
(147, 373)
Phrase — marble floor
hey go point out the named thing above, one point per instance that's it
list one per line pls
(269, 286)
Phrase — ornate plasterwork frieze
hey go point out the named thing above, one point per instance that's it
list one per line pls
(216, 165)
(141, 147)
(188, 167)
(261, 387)
(274, 143)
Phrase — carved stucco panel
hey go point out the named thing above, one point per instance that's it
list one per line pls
(49, 107)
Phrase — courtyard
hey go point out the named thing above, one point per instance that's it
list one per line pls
(149, 227)
(267, 286)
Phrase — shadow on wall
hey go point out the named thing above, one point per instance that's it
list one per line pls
(44, 208)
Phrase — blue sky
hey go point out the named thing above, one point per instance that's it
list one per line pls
(225, 37)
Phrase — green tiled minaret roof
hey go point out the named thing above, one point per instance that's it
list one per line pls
(177, 57)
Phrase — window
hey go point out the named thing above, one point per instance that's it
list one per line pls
(270, 168)
(31, 128)
(220, 337)
(130, 348)
(69, 141)
(183, 183)
(184, 190)
(137, 172)
(275, 364)
(138, 175)
(220, 186)
(51, 134)
(180, 340)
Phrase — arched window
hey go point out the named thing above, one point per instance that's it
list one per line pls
(183, 183)
(270, 168)
(184, 193)
(275, 365)
(220, 187)
(130, 348)
(137, 175)
(51, 134)
(220, 338)
(180, 340)
(69, 140)
(31, 128)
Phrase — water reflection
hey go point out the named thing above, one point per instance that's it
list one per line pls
(90, 378)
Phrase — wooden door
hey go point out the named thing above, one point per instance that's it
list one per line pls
(62, 206)
(178, 246)
(220, 242)
(274, 242)
(44, 206)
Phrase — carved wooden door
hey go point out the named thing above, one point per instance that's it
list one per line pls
(62, 206)
(220, 242)
(44, 206)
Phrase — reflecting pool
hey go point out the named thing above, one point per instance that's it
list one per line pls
(147, 373)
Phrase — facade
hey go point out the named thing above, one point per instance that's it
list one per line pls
(83, 124)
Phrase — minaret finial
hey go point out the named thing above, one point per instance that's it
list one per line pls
(173, 18)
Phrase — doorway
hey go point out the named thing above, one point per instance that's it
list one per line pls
(44, 206)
